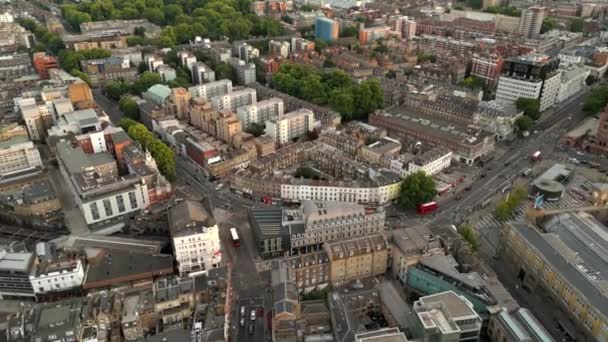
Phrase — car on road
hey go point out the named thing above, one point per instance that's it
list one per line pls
(242, 322)
(580, 153)
(483, 175)
(252, 315)
(584, 161)
(573, 161)
(219, 187)
(468, 188)
(250, 329)
(243, 311)
(506, 164)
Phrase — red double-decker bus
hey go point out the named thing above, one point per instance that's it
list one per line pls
(426, 208)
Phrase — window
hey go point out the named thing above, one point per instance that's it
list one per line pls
(107, 206)
(94, 210)
(120, 201)
(133, 200)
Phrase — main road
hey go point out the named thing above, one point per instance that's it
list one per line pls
(500, 172)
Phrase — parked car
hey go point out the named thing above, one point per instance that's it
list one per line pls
(242, 322)
(252, 315)
(250, 329)
(242, 311)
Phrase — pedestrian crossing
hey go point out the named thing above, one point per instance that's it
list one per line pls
(575, 195)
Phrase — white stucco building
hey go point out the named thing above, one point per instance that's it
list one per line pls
(195, 237)
(572, 81)
(233, 100)
(431, 162)
(57, 276)
(211, 89)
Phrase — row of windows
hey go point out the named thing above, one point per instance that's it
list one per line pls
(107, 206)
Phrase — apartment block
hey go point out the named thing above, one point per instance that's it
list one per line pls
(357, 258)
(327, 29)
(96, 40)
(18, 157)
(292, 125)
(531, 21)
(101, 71)
(15, 269)
(245, 72)
(260, 112)
(42, 63)
(371, 34)
(278, 48)
(488, 68)
(211, 89)
(233, 100)
(201, 73)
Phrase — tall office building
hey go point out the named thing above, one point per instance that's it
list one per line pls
(531, 21)
(326, 29)
(531, 76)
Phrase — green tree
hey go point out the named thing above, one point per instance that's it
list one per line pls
(416, 188)
(126, 123)
(115, 89)
(341, 100)
(424, 58)
(596, 100)
(530, 107)
(129, 107)
(350, 31)
(473, 82)
(506, 207)
(154, 15)
(225, 71)
(136, 40)
(577, 25)
(256, 129)
(549, 23)
(145, 81)
(524, 123)
(313, 90)
(368, 97)
(287, 19)
(81, 75)
(141, 134)
(305, 172)
(320, 45)
(475, 4)
(467, 233)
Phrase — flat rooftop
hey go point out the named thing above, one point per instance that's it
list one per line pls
(15, 261)
(438, 127)
(568, 262)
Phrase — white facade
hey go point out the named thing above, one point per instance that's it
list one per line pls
(531, 20)
(571, 83)
(18, 155)
(6, 17)
(186, 59)
(260, 112)
(58, 277)
(129, 200)
(571, 59)
(379, 195)
(291, 125)
(232, 101)
(201, 73)
(510, 89)
(199, 250)
(211, 89)
(433, 166)
(278, 48)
